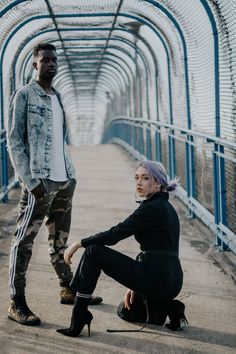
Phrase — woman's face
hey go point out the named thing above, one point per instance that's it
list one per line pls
(145, 184)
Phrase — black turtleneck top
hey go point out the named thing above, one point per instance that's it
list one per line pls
(154, 224)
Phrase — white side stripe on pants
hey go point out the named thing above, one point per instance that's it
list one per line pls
(85, 296)
(19, 236)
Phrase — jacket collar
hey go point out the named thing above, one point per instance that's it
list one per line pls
(164, 195)
(40, 90)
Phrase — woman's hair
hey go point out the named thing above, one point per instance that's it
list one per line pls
(158, 172)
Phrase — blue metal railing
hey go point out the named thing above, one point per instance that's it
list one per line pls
(118, 131)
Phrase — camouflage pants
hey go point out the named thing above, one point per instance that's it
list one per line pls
(56, 207)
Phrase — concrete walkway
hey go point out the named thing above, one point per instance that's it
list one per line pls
(104, 196)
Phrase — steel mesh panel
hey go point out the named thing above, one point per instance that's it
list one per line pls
(165, 149)
(225, 14)
(181, 163)
(204, 175)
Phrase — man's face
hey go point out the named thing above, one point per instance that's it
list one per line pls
(46, 63)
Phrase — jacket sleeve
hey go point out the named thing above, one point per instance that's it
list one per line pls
(138, 221)
(17, 136)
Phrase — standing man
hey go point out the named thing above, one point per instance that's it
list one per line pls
(39, 154)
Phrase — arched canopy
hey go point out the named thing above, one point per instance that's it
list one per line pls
(168, 53)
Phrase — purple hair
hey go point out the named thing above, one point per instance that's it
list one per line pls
(158, 172)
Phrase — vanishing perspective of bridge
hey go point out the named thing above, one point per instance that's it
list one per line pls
(139, 79)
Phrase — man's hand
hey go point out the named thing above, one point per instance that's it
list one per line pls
(129, 299)
(70, 251)
(39, 191)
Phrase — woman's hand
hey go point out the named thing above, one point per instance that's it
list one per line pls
(70, 251)
(129, 299)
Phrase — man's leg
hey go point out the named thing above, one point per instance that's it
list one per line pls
(58, 224)
(31, 215)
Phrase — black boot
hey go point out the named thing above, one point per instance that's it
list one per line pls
(158, 312)
(176, 314)
(20, 312)
(80, 317)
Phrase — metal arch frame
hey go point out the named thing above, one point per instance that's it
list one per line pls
(171, 147)
(112, 14)
(99, 84)
(83, 15)
(130, 44)
(163, 9)
(113, 78)
(81, 71)
(143, 40)
(122, 67)
(38, 17)
(104, 77)
(52, 30)
(69, 15)
(52, 16)
(124, 51)
(135, 132)
(127, 53)
(152, 26)
(104, 72)
(106, 44)
(125, 78)
(10, 6)
(158, 140)
(60, 79)
(91, 70)
(118, 48)
(217, 149)
(117, 63)
(155, 61)
(107, 59)
(105, 29)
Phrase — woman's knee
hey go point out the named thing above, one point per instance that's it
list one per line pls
(93, 250)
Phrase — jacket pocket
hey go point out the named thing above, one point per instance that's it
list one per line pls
(36, 115)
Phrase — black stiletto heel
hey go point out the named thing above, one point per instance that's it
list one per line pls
(77, 324)
(178, 321)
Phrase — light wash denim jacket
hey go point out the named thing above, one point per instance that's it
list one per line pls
(30, 135)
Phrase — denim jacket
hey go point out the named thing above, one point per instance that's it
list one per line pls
(30, 135)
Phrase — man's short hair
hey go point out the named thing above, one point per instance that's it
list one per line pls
(42, 46)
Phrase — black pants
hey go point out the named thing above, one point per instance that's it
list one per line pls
(156, 277)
